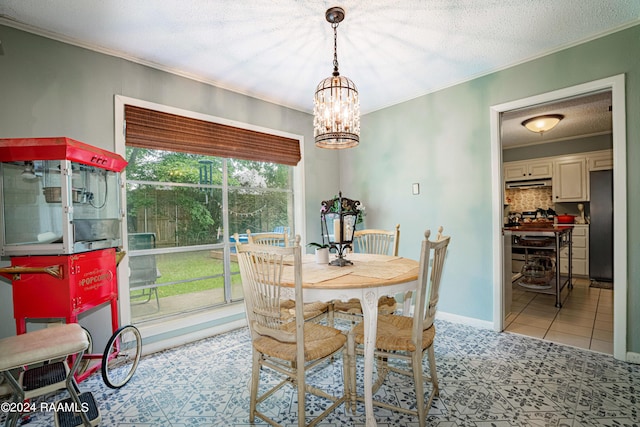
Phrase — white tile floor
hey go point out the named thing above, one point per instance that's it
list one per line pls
(585, 319)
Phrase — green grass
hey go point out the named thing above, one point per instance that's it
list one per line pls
(187, 265)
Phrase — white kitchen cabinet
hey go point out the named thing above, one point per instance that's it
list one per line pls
(514, 171)
(521, 170)
(570, 179)
(579, 252)
(600, 160)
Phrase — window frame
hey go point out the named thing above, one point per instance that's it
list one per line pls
(191, 321)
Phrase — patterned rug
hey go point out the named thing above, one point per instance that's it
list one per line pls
(601, 285)
(486, 379)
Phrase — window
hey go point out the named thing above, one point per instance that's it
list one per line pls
(182, 210)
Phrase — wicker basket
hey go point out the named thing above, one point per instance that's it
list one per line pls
(547, 241)
(535, 284)
(538, 280)
(538, 271)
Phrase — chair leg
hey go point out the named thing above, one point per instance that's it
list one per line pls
(330, 315)
(155, 291)
(431, 356)
(255, 379)
(346, 377)
(302, 421)
(382, 366)
(418, 379)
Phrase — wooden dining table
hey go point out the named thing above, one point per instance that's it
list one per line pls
(369, 278)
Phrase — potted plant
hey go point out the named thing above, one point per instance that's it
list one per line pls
(322, 252)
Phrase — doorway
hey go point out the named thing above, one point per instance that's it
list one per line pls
(614, 84)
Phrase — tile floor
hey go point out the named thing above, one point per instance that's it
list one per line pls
(585, 319)
(486, 379)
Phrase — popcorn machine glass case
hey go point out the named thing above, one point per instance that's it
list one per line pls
(59, 196)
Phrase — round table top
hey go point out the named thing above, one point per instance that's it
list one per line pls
(367, 271)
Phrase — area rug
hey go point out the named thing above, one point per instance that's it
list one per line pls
(601, 285)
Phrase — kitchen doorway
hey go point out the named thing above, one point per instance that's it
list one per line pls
(502, 283)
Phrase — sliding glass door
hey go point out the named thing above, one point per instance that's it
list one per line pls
(183, 210)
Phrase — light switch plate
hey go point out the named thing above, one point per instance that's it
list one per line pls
(415, 188)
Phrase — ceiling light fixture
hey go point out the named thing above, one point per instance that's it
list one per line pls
(336, 107)
(540, 124)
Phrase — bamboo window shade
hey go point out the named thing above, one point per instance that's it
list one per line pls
(157, 130)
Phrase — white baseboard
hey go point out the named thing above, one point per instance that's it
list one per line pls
(633, 357)
(470, 321)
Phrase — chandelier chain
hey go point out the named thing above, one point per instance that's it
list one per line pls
(335, 49)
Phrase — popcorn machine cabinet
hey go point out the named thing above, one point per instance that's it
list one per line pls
(63, 286)
(61, 221)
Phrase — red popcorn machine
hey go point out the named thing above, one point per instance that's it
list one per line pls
(61, 219)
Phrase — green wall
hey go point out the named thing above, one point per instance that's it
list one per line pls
(49, 88)
(442, 141)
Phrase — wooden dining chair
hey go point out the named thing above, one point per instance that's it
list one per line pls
(314, 311)
(408, 338)
(383, 242)
(370, 241)
(273, 239)
(282, 343)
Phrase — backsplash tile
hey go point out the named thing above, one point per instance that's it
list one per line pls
(530, 199)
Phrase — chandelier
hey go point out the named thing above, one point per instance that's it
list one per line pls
(336, 107)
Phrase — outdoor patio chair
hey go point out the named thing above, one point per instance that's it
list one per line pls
(273, 238)
(285, 344)
(370, 241)
(144, 271)
(142, 280)
(407, 338)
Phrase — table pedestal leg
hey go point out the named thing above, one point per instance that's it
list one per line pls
(369, 304)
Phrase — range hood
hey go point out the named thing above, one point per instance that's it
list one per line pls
(529, 184)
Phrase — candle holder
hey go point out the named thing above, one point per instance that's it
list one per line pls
(338, 218)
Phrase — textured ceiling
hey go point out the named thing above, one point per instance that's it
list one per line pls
(587, 115)
(279, 50)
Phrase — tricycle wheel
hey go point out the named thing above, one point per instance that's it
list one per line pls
(121, 356)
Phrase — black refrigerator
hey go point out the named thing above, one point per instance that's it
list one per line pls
(601, 226)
